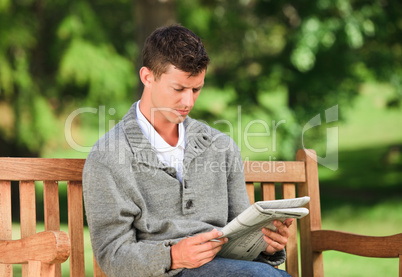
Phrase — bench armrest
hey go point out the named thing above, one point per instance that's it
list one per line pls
(50, 247)
(367, 246)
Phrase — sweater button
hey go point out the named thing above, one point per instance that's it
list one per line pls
(189, 204)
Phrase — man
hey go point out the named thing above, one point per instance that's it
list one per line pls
(154, 201)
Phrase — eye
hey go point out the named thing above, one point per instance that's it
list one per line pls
(195, 90)
(178, 89)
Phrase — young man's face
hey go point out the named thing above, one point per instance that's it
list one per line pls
(174, 93)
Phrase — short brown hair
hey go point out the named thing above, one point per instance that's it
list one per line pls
(174, 45)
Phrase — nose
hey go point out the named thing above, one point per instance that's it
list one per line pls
(187, 99)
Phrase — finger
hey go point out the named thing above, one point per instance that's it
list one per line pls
(279, 224)
(206, 259)
(211, 246)
(288, 222)
(211, 252)
(203, 261)
(277, 237)
(282, 228)
(219, 241)
(273, 246)
(206, 256)
(270, 250)
(205, 237)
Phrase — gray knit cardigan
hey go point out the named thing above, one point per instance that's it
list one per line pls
(136, 208)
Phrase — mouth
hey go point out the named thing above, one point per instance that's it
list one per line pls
(183, 112)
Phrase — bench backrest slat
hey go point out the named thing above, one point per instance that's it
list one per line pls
(292, 260)
(52, 211)
(5, 221)
(51, 205)
(76, 228)
(27, 213)
(268, 191)
(28, 169)
(250, 191)
(275, 171)
(312, 262)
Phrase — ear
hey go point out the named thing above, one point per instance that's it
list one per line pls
(146, 76)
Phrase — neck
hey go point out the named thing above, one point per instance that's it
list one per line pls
(167, 130)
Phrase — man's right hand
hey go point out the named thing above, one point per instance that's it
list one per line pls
(196, 251)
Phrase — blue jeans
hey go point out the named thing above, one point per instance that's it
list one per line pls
(222, 267)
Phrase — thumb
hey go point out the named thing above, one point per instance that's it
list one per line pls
(204, 237)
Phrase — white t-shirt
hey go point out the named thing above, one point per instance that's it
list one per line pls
(167, 154)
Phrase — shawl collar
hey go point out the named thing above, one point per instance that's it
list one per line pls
(198, 139)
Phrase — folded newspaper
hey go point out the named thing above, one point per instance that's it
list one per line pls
(244, 232)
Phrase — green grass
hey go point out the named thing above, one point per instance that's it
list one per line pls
(369, 123)
(345, 265)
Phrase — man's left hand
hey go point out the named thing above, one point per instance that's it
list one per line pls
(277, 239)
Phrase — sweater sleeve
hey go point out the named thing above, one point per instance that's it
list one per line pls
(274, 260)
(110, 215)
(237, 193)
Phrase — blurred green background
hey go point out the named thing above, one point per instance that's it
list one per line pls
(68, 73)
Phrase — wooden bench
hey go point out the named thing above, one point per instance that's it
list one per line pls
(42, 253)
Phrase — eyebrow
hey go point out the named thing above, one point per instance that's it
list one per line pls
(184, 87)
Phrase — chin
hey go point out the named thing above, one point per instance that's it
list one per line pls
(177, 119)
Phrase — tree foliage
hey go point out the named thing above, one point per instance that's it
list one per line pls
(55, 55)
(277, 59)
(315, 54)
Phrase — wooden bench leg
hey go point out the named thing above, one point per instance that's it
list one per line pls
(38, 269)
(400, 265)
(6, 270)
(48, 270)
(34, 269)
